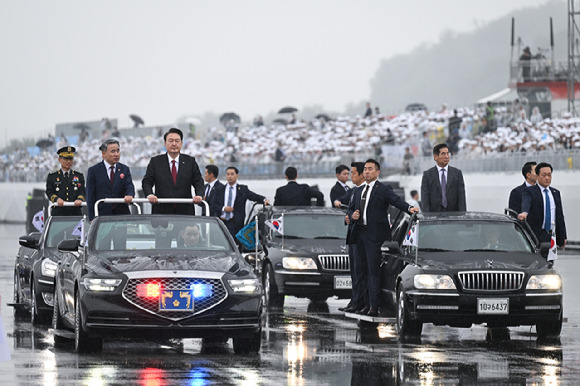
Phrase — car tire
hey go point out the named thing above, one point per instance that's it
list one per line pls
(248, 345)
(271, 296)
(551, 329)
(57, 323)
(19, 311)
(406, 327)
(83, 343)
(37, 317)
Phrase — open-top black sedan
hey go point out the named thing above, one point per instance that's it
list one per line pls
(156, 276)
(35, 266)
(460, 269)
(306, 256)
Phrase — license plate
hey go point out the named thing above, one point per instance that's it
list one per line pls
(176, 300)
(342, 282)
(498, 306)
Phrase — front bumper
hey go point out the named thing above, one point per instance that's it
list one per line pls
(311, 284)
(460, 309)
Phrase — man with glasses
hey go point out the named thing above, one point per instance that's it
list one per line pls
(109, 179)
(66, 185)
(172, 175)
(442, 186)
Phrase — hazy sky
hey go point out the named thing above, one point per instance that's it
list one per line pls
(72, 60)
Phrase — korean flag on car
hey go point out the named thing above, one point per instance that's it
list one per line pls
(38, 220)
(412, 235)
(276, 225)
(553, 253)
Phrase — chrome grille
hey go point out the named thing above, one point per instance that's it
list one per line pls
(334, 262)
(491, 280)
(219, 293)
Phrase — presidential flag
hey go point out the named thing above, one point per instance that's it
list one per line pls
(38, 220)
(247, 235)
(276, 225)
(411, 238)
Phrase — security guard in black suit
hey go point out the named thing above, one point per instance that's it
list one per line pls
(66, 185)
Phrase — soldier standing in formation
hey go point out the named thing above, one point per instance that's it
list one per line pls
(66, 185)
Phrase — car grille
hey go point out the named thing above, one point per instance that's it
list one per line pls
(334, 262)
(219, 293)
(491, 280)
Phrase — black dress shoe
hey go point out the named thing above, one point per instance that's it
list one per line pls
(345, 307)
(373, 312)
(350, 309)
(363, 311)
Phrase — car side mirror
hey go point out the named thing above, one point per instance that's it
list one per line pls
(544, 249)
(30, 241)
(71, 245)
(391, 247)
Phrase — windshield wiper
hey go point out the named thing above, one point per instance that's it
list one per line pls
(484, 250)
(433, 250)
(329, 237)
(290, 237)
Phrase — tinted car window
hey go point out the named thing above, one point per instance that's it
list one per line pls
(60, 230)
(313, 226)
(472, 235)
(160, 233)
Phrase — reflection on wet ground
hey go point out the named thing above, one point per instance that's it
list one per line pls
(304, 343)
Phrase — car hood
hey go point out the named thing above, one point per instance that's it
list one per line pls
(141, 261)
(481, 260)
(316, 246)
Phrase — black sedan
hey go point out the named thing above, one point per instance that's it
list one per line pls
(156, 276)
(307, 255)
(36, 265)
(460, 269)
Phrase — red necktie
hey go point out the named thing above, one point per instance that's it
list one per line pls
(112, 176)
(173, 172)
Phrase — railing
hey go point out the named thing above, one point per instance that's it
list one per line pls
(66, 203)
(136, 201)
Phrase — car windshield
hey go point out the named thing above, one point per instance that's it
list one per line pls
(472, 236)
(313, 226)
(61, 229)
(146, 233)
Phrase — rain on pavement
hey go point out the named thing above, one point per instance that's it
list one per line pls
(303, 343)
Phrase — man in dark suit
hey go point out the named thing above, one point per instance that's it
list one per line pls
(173, 174)
(230, 201)
(359, 287)
(211, 186)
(542, 207)
(295, 194)
(66, 185)
(442, 186)
(109, 179)
(369, 210)
(529, 173)
(340, 187)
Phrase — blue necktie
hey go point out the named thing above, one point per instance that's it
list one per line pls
(548, 216)
(229, 214)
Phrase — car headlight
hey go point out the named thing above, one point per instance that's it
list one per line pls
(298, 263)
(434, 282)
(101, 285)
(48, 268)
(544, 282)
(244, 285)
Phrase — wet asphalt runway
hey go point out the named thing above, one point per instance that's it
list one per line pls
(303, 344)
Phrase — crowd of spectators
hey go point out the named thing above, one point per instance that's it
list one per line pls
(466, 130)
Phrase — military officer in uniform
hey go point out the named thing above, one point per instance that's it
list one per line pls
(66, 185)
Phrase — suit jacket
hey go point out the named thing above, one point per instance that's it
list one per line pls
(295, 194)
(212, 197)
(158, 175)
(431, 191)
(99, 186)
(243, 194)
(69, 189)
(533, 205)
(346, 200)
(378, 201)
(336, 192)
(515, 200)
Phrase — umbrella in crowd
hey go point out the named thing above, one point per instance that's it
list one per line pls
(226, 117)
(44, 143)
(137, 120)
(323, 116)
(287, 109)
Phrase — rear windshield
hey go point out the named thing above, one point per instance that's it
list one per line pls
(187, 233)
(472, 235)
